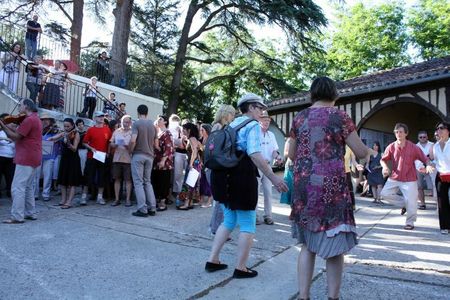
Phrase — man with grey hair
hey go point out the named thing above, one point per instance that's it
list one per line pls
(237, 188)
(27, 159)
(424, 180)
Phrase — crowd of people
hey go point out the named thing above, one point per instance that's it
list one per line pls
(162, 161)
(47, 82)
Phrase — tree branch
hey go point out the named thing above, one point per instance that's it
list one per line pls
(12, 12)
(209, 60)
(63, 10)
(218, 78)
(209, 19)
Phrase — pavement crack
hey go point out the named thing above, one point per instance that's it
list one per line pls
(445, 272)
(179, 243)
(400, 279)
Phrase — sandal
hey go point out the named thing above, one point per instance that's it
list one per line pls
(128, 204)
(408, 227)
(403, 211)
(12, 221)
(66, 206)
(115, 203)
(268, 220)
(161, 208)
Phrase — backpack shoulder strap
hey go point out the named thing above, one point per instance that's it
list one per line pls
(243, 124)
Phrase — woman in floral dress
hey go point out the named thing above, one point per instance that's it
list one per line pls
(189, 194)
(163, 163)
(322, 211)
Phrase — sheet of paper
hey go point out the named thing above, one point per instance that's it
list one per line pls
(100, 156)
(192, 177)
(47, 147)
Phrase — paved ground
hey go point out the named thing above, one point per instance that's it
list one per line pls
(102, 252)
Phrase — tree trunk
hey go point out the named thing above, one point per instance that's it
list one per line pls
(180, 60)
(75, 31)
(119, 51)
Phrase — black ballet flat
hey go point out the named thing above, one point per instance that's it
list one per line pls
(244, 274)
(212, 267)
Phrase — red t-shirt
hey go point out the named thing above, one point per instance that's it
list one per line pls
(29, 147)
(97, 138)
(403, 167)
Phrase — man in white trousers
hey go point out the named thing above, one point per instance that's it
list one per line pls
(269, 151)
(403, 153)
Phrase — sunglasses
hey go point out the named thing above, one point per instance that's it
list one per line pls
(422, 137)
(441, 127)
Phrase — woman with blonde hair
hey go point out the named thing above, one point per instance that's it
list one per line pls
(224, 116)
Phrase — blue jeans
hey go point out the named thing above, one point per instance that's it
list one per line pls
(30, 48)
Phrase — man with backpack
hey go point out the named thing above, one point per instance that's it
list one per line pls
(236, 187)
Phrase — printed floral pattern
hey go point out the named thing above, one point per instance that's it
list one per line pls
(321, 199)
(166, 150)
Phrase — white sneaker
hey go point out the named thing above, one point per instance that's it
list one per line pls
(444, 231)
(101, 201)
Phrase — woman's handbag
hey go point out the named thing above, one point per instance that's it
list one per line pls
(445, 177)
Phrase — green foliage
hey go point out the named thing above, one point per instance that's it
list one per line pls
(368, 39)
(430, 28)
(154, 34)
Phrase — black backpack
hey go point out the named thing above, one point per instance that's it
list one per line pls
(220, 148)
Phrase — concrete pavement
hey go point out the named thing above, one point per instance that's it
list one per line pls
(102, 252)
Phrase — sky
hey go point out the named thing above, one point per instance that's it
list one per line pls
(103, 33)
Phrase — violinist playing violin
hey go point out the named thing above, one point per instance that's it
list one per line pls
(69, 174)
(27, 159)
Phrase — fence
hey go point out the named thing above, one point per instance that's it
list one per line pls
(48, 46)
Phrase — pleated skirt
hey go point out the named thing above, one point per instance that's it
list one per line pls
(324, 245)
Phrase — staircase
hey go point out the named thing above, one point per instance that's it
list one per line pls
(73, 87)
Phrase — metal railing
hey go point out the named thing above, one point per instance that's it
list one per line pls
(47, 46)
(70, 98)
(51, 48)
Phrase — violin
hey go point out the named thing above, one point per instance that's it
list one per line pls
(70, 136)
(16, 119)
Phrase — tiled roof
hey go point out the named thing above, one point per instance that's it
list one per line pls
(382, 80)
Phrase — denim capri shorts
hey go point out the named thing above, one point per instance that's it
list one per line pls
(246, 219)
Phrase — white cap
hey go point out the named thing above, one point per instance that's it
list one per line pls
(251, 98)
(99, 113)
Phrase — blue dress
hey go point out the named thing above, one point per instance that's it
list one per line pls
(375, 176)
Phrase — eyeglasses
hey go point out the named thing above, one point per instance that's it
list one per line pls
(441, 127)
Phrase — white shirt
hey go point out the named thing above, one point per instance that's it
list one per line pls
(7, 148)
(426, 150)
(442, 157)
(175, 129)
(268, 145)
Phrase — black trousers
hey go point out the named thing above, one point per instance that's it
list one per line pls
(89, 105)
(443, 202)
(95, 172)
(161, 183)
(7, 168)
